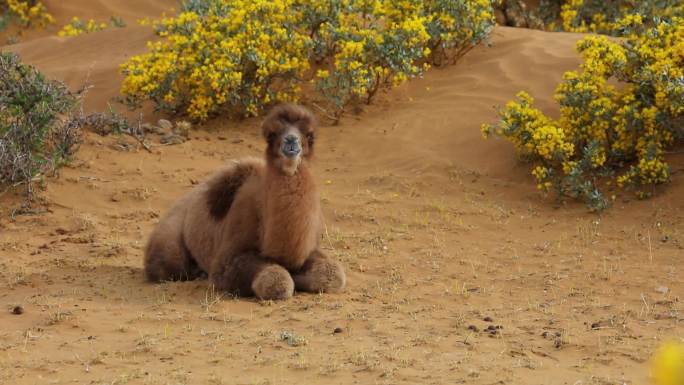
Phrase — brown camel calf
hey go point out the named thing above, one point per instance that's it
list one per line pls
(255, 226)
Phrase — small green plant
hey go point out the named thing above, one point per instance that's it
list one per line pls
(78, 27)
(117, 22)
(293, 339)
(36, 134)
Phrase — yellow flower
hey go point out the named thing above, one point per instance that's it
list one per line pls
(240, 55)
(78, 27)
(668, 365)
(27, 14)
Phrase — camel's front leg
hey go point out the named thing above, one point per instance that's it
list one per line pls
(320, 274)
(250, 274)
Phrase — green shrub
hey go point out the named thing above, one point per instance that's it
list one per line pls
(36, 134)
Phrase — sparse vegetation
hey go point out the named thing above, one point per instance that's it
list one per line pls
(36, 134)
(78, 27)
(41, 122)
(293, 339)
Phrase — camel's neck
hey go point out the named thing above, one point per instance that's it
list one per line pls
(278, 183)
(291, 216)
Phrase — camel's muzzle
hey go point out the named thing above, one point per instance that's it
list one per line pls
(291, 146)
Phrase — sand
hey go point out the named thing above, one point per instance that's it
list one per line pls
(442, 233)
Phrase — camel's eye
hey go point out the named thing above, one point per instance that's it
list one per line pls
(310, 137)
(271, 137)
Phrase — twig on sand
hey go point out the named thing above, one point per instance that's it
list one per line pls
(93, 119)
(139, 134)
(326, 113)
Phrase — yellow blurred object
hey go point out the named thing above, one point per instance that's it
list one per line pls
(668, 365)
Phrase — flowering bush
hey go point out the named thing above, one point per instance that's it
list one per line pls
(371, 52)
(611, 17)
(604, 131)
(242, 55)
(78, 27)
(597, 16)
(456, 26)
(25, 12)
(234, 54)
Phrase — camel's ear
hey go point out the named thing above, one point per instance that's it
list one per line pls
(269, 129)
(310, 122)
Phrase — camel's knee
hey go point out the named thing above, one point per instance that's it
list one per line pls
(155, 267)
(166, 260)
(273, 282)
(321, 275)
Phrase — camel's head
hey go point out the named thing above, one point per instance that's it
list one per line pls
(289, 132)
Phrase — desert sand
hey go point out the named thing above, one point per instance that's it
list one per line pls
(459, 271)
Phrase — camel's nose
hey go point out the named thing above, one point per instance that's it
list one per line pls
(291, 139)
(291, 147)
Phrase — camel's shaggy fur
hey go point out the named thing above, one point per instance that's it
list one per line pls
(255, 226)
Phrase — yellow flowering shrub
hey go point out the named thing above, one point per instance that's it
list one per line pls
(599, 16)
(606, 131)
(240, 56)
(373, 45)
(456, 26)
(25, 12)
(78, 27)
(612, 17)
(373, 52)
(230, 54)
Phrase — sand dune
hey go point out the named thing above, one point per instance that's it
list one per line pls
(438, 118)
(92, 58)
(437, 227)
